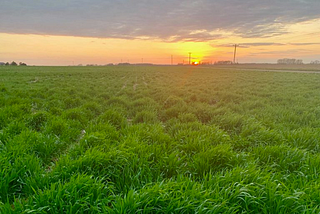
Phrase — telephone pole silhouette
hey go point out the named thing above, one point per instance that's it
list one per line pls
(171, 59)
(235, 53)
(189, 58)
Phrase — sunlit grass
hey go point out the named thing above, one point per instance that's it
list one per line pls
(158, 140)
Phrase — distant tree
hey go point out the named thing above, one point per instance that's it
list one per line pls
(22, 64)
(7, 63)
(223, 63)
(286, 61)
(13, 63)
(316, 62)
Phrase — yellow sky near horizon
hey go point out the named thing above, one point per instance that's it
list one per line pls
(301, 41)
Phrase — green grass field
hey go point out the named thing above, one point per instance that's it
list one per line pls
(158, 140)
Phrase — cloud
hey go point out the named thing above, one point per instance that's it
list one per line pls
(202, 36)
(305, 43)
(264, 44)
(285, 53)
(168, 20)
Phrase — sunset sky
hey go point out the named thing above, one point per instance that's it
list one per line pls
(67, 32)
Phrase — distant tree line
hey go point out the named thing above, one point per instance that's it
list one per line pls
(13, 63)
(316, 62)
(286, 61)
(223, 63)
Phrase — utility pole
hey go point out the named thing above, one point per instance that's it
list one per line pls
(189, 58)
(171, 59)
(235, 53)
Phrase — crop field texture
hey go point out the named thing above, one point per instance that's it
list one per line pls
(137, 139)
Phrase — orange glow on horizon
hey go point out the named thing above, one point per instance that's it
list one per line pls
(69, 50)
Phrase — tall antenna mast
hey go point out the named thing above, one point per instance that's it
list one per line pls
(235, 53)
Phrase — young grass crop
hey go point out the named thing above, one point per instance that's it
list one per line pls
(152, 139)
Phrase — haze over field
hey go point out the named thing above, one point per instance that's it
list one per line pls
(96, 31)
